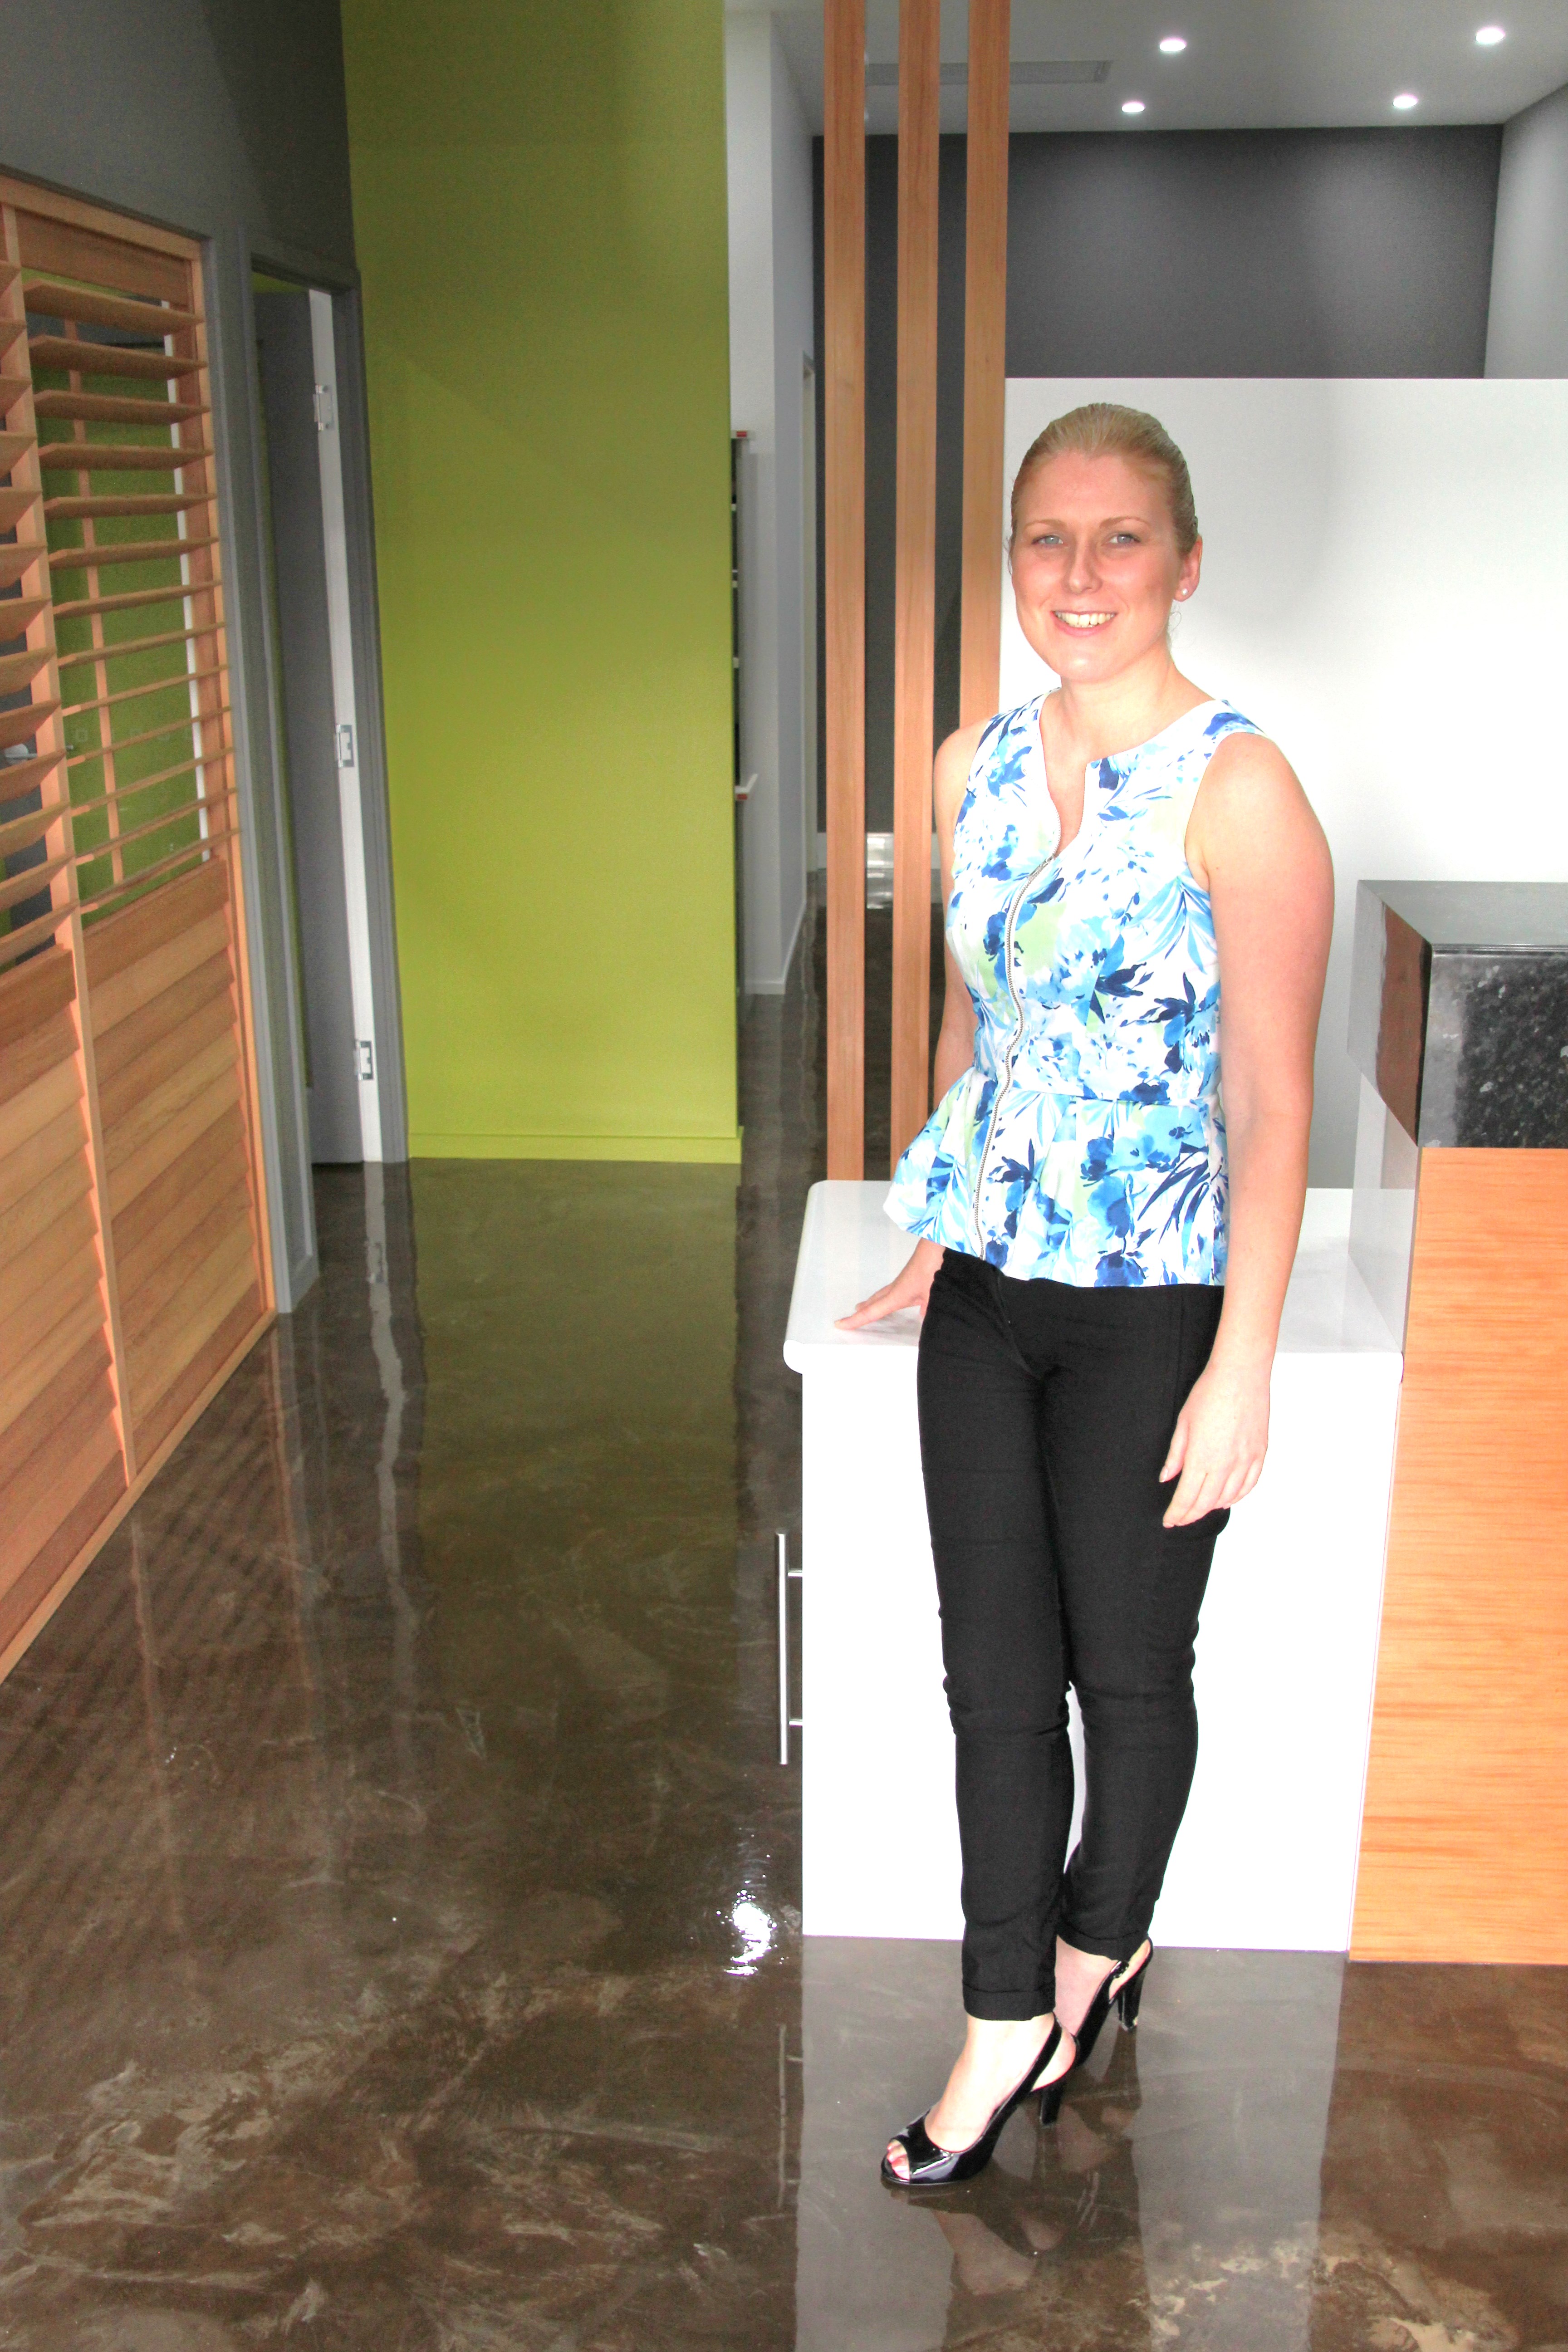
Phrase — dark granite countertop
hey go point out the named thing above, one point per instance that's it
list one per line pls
(1460, 1010)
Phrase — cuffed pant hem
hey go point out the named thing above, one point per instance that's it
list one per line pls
(1009, 2007)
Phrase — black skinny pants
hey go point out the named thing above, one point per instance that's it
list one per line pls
(1045, 1412)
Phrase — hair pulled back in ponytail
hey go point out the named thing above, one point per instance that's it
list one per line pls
(1103, 429)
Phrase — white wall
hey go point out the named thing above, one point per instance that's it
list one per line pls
(770, 333)
(1386, 592)
(1527, 327)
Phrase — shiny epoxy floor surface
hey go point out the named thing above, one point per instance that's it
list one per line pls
(398, 1942)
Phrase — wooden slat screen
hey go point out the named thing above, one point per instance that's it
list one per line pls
(133, 1258)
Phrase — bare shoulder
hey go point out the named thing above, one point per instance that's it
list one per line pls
(955, 757)
(1251, 812)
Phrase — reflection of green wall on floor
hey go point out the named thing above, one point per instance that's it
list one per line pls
(540, 218)
(578, 1444)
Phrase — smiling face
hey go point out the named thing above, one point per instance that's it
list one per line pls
(1096, 567)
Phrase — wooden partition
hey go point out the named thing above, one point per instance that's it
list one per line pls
(844, 565)
(985, 357)
(1465, 1831)
(134, 1267)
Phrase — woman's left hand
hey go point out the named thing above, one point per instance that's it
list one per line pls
(1218, 1445)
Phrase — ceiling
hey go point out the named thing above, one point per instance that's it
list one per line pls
(1248, 64)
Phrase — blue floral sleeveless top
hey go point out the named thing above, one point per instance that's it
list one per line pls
(1085, 1142)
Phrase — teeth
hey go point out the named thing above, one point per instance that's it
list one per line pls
(1082, 620)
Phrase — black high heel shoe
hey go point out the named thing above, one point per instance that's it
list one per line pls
(931, 2167)
(1125, 1999)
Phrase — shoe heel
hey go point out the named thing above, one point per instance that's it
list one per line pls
(1051, 2100)
(1127, 2001)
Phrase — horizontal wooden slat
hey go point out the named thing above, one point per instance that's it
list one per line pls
(199, 804)
(18, 725)
(154, 502)
(206, 1168)
(120, 457)
(130, 646)
(170, 1275)
(65, 238)
(35, 1105)
(69, 1237)
(21, 612)
(12, 330)
(14, 446)
(239, 1332)
(54, 1483)
(157, 685)
(117, 896)
(107, 409)
(49, 1047)
(101, 361)
(117, 1096)
(14, 505)
(29, 998)
(13, 388)
(155, 927)
(140, 1123)
(83, 607)
(22, 938)
(50, 297)
(18, 558)
(32, 879)
(208, 720)
(37, 1590)
(32, 1212)
(134, 550)
(19, 779)
(225, 1198)
(162, 1016)
(178, 1336)
(50, 1407)
(18, 670)
(39, 1155)
(30, 1318)
(174, 1138)
(23, 1377)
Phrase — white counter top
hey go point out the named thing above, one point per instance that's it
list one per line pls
(849, 1247)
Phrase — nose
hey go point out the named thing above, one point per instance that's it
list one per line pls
(1081, 572)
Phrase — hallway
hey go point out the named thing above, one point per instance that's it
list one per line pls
(398, 1884)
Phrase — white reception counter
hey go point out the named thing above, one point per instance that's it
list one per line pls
(1287, 1655)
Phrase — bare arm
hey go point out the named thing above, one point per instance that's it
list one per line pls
(1255, 843)
(955, 1039)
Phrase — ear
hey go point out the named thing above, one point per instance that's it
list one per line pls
(1191, 570)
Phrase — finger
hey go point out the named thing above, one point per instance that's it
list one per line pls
(1254, 1472)
(869, 1310)
(1189, 1501)
(1177, 1454)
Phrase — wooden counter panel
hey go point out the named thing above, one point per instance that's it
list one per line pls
(1465, 1835)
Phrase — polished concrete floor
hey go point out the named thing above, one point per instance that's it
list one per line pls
(398, 1945)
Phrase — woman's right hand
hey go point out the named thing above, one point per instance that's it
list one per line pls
(910, 1289)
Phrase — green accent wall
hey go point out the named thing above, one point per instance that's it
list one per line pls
(539, 195)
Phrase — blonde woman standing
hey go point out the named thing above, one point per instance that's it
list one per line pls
(1138, 901)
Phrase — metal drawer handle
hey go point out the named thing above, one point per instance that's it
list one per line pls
(787, 1722)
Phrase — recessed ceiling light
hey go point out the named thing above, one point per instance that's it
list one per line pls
(1172, 45)
(1405, 100)
(1490, 36)
(1131, 106)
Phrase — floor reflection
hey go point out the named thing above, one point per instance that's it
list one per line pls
(398, 1940)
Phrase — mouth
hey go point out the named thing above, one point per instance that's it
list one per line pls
(1083, 621)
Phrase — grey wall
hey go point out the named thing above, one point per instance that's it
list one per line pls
(224, 119)
(1293, 253)
(1528, 332)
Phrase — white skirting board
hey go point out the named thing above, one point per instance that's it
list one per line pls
(1287, 1654)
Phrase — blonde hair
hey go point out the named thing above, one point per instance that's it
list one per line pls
(1103, 429)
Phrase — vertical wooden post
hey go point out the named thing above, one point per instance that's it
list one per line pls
(844, 462)
(984, 357)
(914, 660)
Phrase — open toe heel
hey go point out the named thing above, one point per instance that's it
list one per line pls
(931, 2167)
(1127, 2001)
(1123, 1995)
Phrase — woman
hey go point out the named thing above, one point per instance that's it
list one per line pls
(1102, 1251)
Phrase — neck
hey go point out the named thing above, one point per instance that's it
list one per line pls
(1114, 714)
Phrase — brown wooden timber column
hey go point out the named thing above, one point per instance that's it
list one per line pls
(844, 482)
(985, 357)
(914, 585)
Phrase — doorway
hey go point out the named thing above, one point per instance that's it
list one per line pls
(317, 727)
